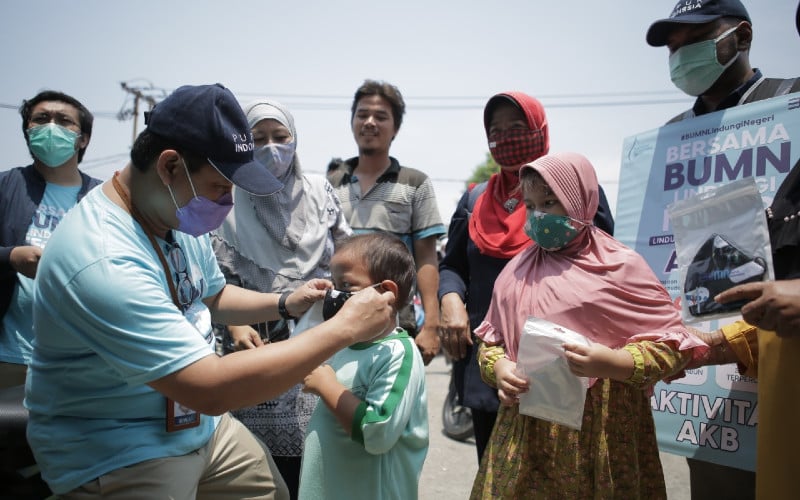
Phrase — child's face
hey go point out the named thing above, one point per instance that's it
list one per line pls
(349, 272)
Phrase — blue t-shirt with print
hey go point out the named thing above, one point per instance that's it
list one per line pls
(105, 326)
(15, 343)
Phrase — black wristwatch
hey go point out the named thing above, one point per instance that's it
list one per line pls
(282, 305)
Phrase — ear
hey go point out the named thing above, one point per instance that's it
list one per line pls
(169, 166)
(744, 36)
(390, 286)
(83, 141)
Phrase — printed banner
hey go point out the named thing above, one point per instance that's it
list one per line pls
(712, 413)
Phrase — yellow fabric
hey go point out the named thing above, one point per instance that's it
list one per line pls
(743, 339)
(487, 357)
(777, 454)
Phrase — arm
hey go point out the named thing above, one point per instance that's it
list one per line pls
(453, 278)
(237, 306)
(772, 305)
(428, 284)
(340, 401)
(599, 361)
(214, 385)
(500, 372)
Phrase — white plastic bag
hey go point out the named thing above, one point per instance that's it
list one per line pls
(555, 393)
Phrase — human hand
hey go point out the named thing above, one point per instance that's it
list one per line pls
(25, 260)
(244, 337)
(773, 305)
(427, 341)
(454, 327)
(598, 361)
(509, 382)
(303, 297)
(316, 381)
(366, 314)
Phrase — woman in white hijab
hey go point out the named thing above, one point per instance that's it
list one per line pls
(272, 244)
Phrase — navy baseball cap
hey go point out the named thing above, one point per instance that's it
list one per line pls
(207, 120)
(694, 12)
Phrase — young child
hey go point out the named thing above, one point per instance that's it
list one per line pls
(368, 437)
(577, 276)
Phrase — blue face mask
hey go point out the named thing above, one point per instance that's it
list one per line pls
(276, 157)
(550, 231)
(52, 144)
(694, 68)
(200, 215)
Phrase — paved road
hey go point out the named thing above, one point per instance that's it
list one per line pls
(451, 465)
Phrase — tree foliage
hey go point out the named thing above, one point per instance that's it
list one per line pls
(484, 170)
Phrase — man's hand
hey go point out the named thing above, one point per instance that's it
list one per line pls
(427, 341)
(244, 337)
(509, 383)
(773, 305)
(303, 297)
(25, 260)
(454, 327)
(366, 314)
(598, 361)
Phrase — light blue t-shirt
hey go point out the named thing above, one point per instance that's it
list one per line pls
(105, 325)
(17, 332)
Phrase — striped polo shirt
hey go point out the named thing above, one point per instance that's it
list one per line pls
(401, 202)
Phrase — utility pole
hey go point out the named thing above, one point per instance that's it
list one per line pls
(138, 93)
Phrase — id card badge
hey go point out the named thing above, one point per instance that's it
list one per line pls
(180, 417)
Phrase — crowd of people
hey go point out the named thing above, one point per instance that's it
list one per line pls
(214, 322)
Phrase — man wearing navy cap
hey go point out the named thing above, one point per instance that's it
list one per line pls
(709, 44)
(127, 398)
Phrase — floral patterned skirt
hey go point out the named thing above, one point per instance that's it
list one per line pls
(614, 455)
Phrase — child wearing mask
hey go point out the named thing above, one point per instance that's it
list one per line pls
(368, 436)
(579, 277)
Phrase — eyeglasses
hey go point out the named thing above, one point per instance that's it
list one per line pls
(184, 284)
(59, 118)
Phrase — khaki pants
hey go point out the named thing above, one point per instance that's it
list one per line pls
(12, 374)
(233, 465)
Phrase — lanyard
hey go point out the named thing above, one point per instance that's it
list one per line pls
(146, 227)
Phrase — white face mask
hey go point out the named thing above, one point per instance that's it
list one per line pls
(276, 157)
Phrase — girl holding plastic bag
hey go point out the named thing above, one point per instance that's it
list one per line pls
(579, 277)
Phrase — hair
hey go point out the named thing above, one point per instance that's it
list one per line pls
(148, 146)
(85, 117)
(385, 90)
(531, 179)
(386, 257)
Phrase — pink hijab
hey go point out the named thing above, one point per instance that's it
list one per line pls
(595, 286)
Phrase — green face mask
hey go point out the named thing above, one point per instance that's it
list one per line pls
(694, 68)
(550, 231)
(52, 144)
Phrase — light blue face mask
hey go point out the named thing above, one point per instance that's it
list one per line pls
(694, 68)
(276, 157)
(52, 144)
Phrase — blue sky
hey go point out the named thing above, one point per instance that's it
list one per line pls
(587, 61)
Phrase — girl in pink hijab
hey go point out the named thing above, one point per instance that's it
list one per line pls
(579, 277)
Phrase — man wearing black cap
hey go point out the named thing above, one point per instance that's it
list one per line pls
(709, 44)
(127, 398)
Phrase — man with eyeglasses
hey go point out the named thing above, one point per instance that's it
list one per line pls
(126, 395)
(33, 199)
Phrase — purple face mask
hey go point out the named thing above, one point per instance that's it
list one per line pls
(201, 215)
